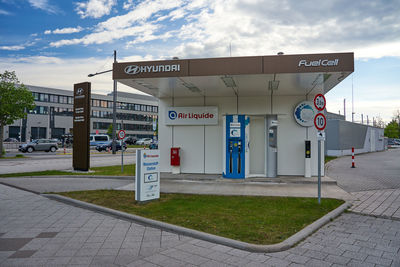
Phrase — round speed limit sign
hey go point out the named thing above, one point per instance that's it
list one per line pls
(319, 102)
(121, 134)
(320, 121)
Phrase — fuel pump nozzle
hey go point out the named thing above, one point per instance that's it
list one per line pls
(239, 158)
(230, 156)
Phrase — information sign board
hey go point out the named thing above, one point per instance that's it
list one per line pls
(147, 179)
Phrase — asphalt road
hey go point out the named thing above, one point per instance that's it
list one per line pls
(374, 171)
(51, 161)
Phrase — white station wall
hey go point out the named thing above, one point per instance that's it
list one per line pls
(201, 146)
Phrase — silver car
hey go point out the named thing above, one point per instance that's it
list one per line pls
(39, 145)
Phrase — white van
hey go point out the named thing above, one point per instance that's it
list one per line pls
(98, 139)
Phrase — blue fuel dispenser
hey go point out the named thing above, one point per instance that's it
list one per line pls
(236, 146)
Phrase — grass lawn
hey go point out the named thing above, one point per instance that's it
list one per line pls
(329, 158)
(129, 170)
(257, 220)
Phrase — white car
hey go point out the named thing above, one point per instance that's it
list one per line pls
(144, 141)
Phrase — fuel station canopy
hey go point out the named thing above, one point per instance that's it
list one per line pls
(237, 76)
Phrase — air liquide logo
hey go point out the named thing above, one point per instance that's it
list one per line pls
(172, 114)
(318, 63)
(304, 113)
(136, 69)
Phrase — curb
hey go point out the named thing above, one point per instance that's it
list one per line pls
(284, 245)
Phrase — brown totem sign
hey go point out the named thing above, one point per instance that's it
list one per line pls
(81, 152)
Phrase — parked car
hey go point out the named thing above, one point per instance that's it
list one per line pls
(11, 140)
(154, 144)
(99, 139)
(144, 141)
(39, 145)
(130, 140)
(108, 146)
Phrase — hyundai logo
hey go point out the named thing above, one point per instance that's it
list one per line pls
(172, 114)
(79, 91)
(132, 69)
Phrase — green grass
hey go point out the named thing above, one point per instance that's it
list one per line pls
(15, 157)
(129, 170)
(257, 220)
(329, 158)
(137, 146)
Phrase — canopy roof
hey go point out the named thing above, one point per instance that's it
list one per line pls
(241, 76)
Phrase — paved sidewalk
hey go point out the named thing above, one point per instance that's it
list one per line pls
(36, 231)
(383, 203)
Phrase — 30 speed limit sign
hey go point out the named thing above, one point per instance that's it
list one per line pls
(320, 121)
(319, 102)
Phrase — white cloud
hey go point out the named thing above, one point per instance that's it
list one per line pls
(63, 73)
(64, 30)
(43, 5)
(4, 12)
(95, 8)
(107, 36)
(12, 47)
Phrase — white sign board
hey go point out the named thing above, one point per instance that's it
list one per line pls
(191, 115)
(147, 179)
(234, 130)
(321, 135)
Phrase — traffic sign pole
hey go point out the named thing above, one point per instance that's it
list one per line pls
(121, 136)
(320, 124)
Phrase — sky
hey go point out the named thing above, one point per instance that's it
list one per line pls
(58, 43)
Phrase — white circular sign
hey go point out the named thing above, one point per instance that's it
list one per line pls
(320, 121)
(319, 102)
(121, 134)
(304, 113)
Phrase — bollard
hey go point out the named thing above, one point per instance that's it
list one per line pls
(65, 151)
(352, 158)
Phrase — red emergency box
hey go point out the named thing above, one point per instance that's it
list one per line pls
(175, 157)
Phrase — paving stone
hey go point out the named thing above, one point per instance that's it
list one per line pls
(297, 258)
(337, 259)
(47, 235)
(318, 263)
(378, 260)
(23, 254)
(12, 244)
(277, 262)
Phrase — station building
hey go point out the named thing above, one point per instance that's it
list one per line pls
(238, 116)
(52, 116)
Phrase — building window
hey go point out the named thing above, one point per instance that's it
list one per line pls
(137, 107)
(35, 96)
(143, 108)
(43, 97)
(103, 103)
(155, 109)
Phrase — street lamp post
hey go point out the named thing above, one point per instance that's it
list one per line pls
(114, 103)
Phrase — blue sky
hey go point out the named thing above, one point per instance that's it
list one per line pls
(57, 43)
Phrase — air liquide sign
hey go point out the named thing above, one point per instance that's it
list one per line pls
(191, 115)
(136, 69)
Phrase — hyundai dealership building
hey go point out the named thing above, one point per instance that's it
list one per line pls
(238, 116)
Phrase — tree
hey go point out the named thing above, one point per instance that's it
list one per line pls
(392, 130)
(110, 130)
(15, 99)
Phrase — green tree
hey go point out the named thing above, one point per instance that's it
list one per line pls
(392, 130)
(110, 130)
(15, 99)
